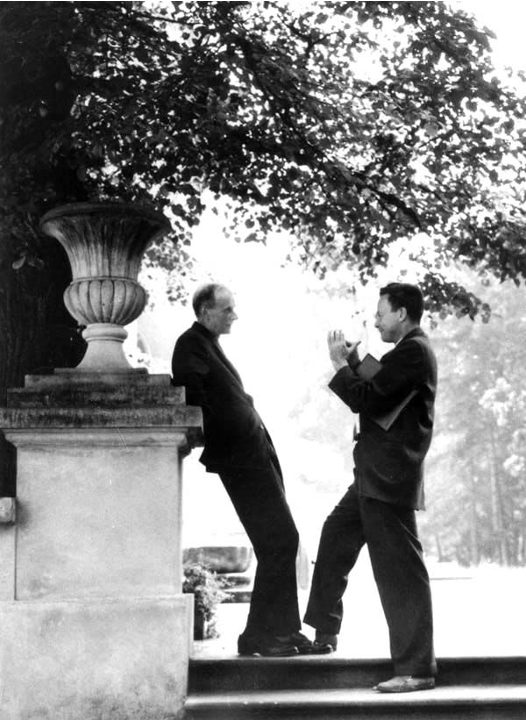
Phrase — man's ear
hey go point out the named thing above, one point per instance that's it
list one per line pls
(403, 313)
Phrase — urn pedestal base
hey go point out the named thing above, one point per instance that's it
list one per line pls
(105, 349)
(95, 622)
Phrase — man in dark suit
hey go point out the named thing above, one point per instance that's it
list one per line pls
(379, 507)
(239, 449)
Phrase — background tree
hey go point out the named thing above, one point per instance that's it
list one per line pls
(477, 469)
(350, 125)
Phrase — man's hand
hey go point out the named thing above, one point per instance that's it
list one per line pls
(340, 350)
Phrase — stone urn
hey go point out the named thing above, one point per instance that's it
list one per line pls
(105, 243)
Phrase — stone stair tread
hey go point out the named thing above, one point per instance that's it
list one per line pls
(361, 697)
(323, 687)
(321, 672)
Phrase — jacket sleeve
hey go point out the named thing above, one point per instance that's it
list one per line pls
(403, 370)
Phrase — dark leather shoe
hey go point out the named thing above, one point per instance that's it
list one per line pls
(307, 647)
(322, 639)
(405, 683)
(267, 646)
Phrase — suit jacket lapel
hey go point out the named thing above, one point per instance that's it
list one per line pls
(226, 362)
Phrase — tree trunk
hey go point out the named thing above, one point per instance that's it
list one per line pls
(36, 332)
(496, 504)
(473, 525)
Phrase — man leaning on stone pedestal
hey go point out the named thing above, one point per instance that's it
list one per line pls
(238, 447)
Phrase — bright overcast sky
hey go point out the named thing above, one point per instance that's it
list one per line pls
(506, 18)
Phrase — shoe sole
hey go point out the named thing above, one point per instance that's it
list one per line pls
(325, 650)
(405, 689)
(255, 652)
(268, 654)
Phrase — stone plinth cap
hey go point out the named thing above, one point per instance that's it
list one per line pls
(150, 402)
(95, 395)
(70, 376)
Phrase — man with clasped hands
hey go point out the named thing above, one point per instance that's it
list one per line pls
(378, 509)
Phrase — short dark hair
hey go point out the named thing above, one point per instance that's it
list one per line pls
(407, 296)
(205, 297)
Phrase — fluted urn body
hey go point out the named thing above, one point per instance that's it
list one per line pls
(105, 243)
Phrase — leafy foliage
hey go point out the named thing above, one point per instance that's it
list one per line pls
(208, 589)
(348, 124)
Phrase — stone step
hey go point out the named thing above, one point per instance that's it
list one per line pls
(468, 702)
(235, 674)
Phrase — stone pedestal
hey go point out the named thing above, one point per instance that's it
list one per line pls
(94, 621)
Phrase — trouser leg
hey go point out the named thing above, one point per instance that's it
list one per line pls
(341, 541)
(259, 499)
(403, 584)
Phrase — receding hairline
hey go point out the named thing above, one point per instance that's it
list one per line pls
(206, 296)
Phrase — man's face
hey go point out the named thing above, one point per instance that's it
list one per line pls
(388, 321)
(219, 318)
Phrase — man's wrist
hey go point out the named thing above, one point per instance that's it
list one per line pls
(339, 364)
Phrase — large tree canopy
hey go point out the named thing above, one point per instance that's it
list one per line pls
(347, 124)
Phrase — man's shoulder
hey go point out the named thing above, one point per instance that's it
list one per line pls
(417, 347)
(423, 341)
(415, 338)
(414, 345)
(189, 343)
(188, 333)
(192, 335)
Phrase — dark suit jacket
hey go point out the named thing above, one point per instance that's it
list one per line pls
(389, 464)
(234, 434)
